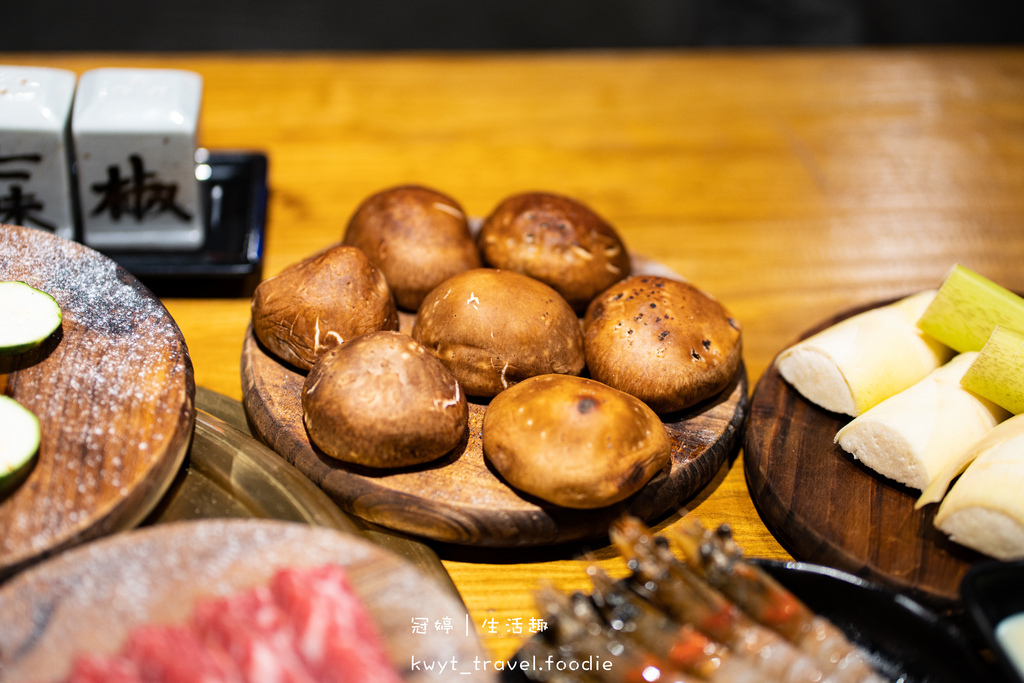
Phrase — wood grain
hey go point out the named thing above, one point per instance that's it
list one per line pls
(91, 598)
(114, 394)
(791, 184)
(827, 508)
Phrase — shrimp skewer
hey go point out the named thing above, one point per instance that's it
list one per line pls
(673, 586)
(682, 646)
(576, 628)
(716, 557)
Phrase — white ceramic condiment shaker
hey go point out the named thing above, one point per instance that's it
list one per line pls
(135, 141)
(35, 148)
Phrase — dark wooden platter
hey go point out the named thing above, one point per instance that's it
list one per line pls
(113, 390)
(459, 498)
(90, 598)
(827, 508)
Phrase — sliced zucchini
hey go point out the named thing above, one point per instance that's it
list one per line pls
(28, 317)
(20, 442)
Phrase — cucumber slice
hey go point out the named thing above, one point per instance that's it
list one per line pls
(28, 317)
(20, 442)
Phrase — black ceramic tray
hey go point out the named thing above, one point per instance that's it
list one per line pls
(234, 199)
(908, 643)
(992, 592)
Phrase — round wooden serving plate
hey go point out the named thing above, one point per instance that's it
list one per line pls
(459, 498)
(90, 599)
(114, 393)
(827, 508)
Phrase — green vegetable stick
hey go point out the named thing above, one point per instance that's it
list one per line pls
(967, 308)
(998, 372)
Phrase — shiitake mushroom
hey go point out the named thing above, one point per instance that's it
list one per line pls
(417, 236)
(382, 400)
(662, 340)
(574, 442)
(319, 303)
(494, 328)
(557, 240)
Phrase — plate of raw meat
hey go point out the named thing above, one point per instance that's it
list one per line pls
(232, 600)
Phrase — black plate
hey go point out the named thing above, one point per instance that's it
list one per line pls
(991, 592)
(234, 200)
(908, 643)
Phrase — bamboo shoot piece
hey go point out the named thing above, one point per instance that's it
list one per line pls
(939, 484)
(998, 372)
(912, 436)
(985, 508)
(863, 360)
(967, 308)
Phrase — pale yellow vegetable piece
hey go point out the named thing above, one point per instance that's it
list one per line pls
(998, 372)
(985, 508)
(863, 360)
(939, 484)
(912, 436)
(967, 308)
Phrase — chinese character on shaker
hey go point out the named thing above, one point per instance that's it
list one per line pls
(35, 149)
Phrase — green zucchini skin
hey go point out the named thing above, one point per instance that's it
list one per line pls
(20, 450)
(47, 312)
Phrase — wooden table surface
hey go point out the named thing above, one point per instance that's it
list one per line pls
(791, 185)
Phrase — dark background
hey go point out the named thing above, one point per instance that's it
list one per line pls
(173, 25)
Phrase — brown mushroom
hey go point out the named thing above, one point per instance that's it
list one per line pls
(664, 341)
(382, 400)
(321, 302)
(493, 328)
(558, 241)
(573, 441)
(417, 236)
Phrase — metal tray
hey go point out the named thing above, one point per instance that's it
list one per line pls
(228, 474)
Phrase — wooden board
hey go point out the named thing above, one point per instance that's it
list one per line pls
(89, 599)
(114, 393)
(827, 508)
(459, 498)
